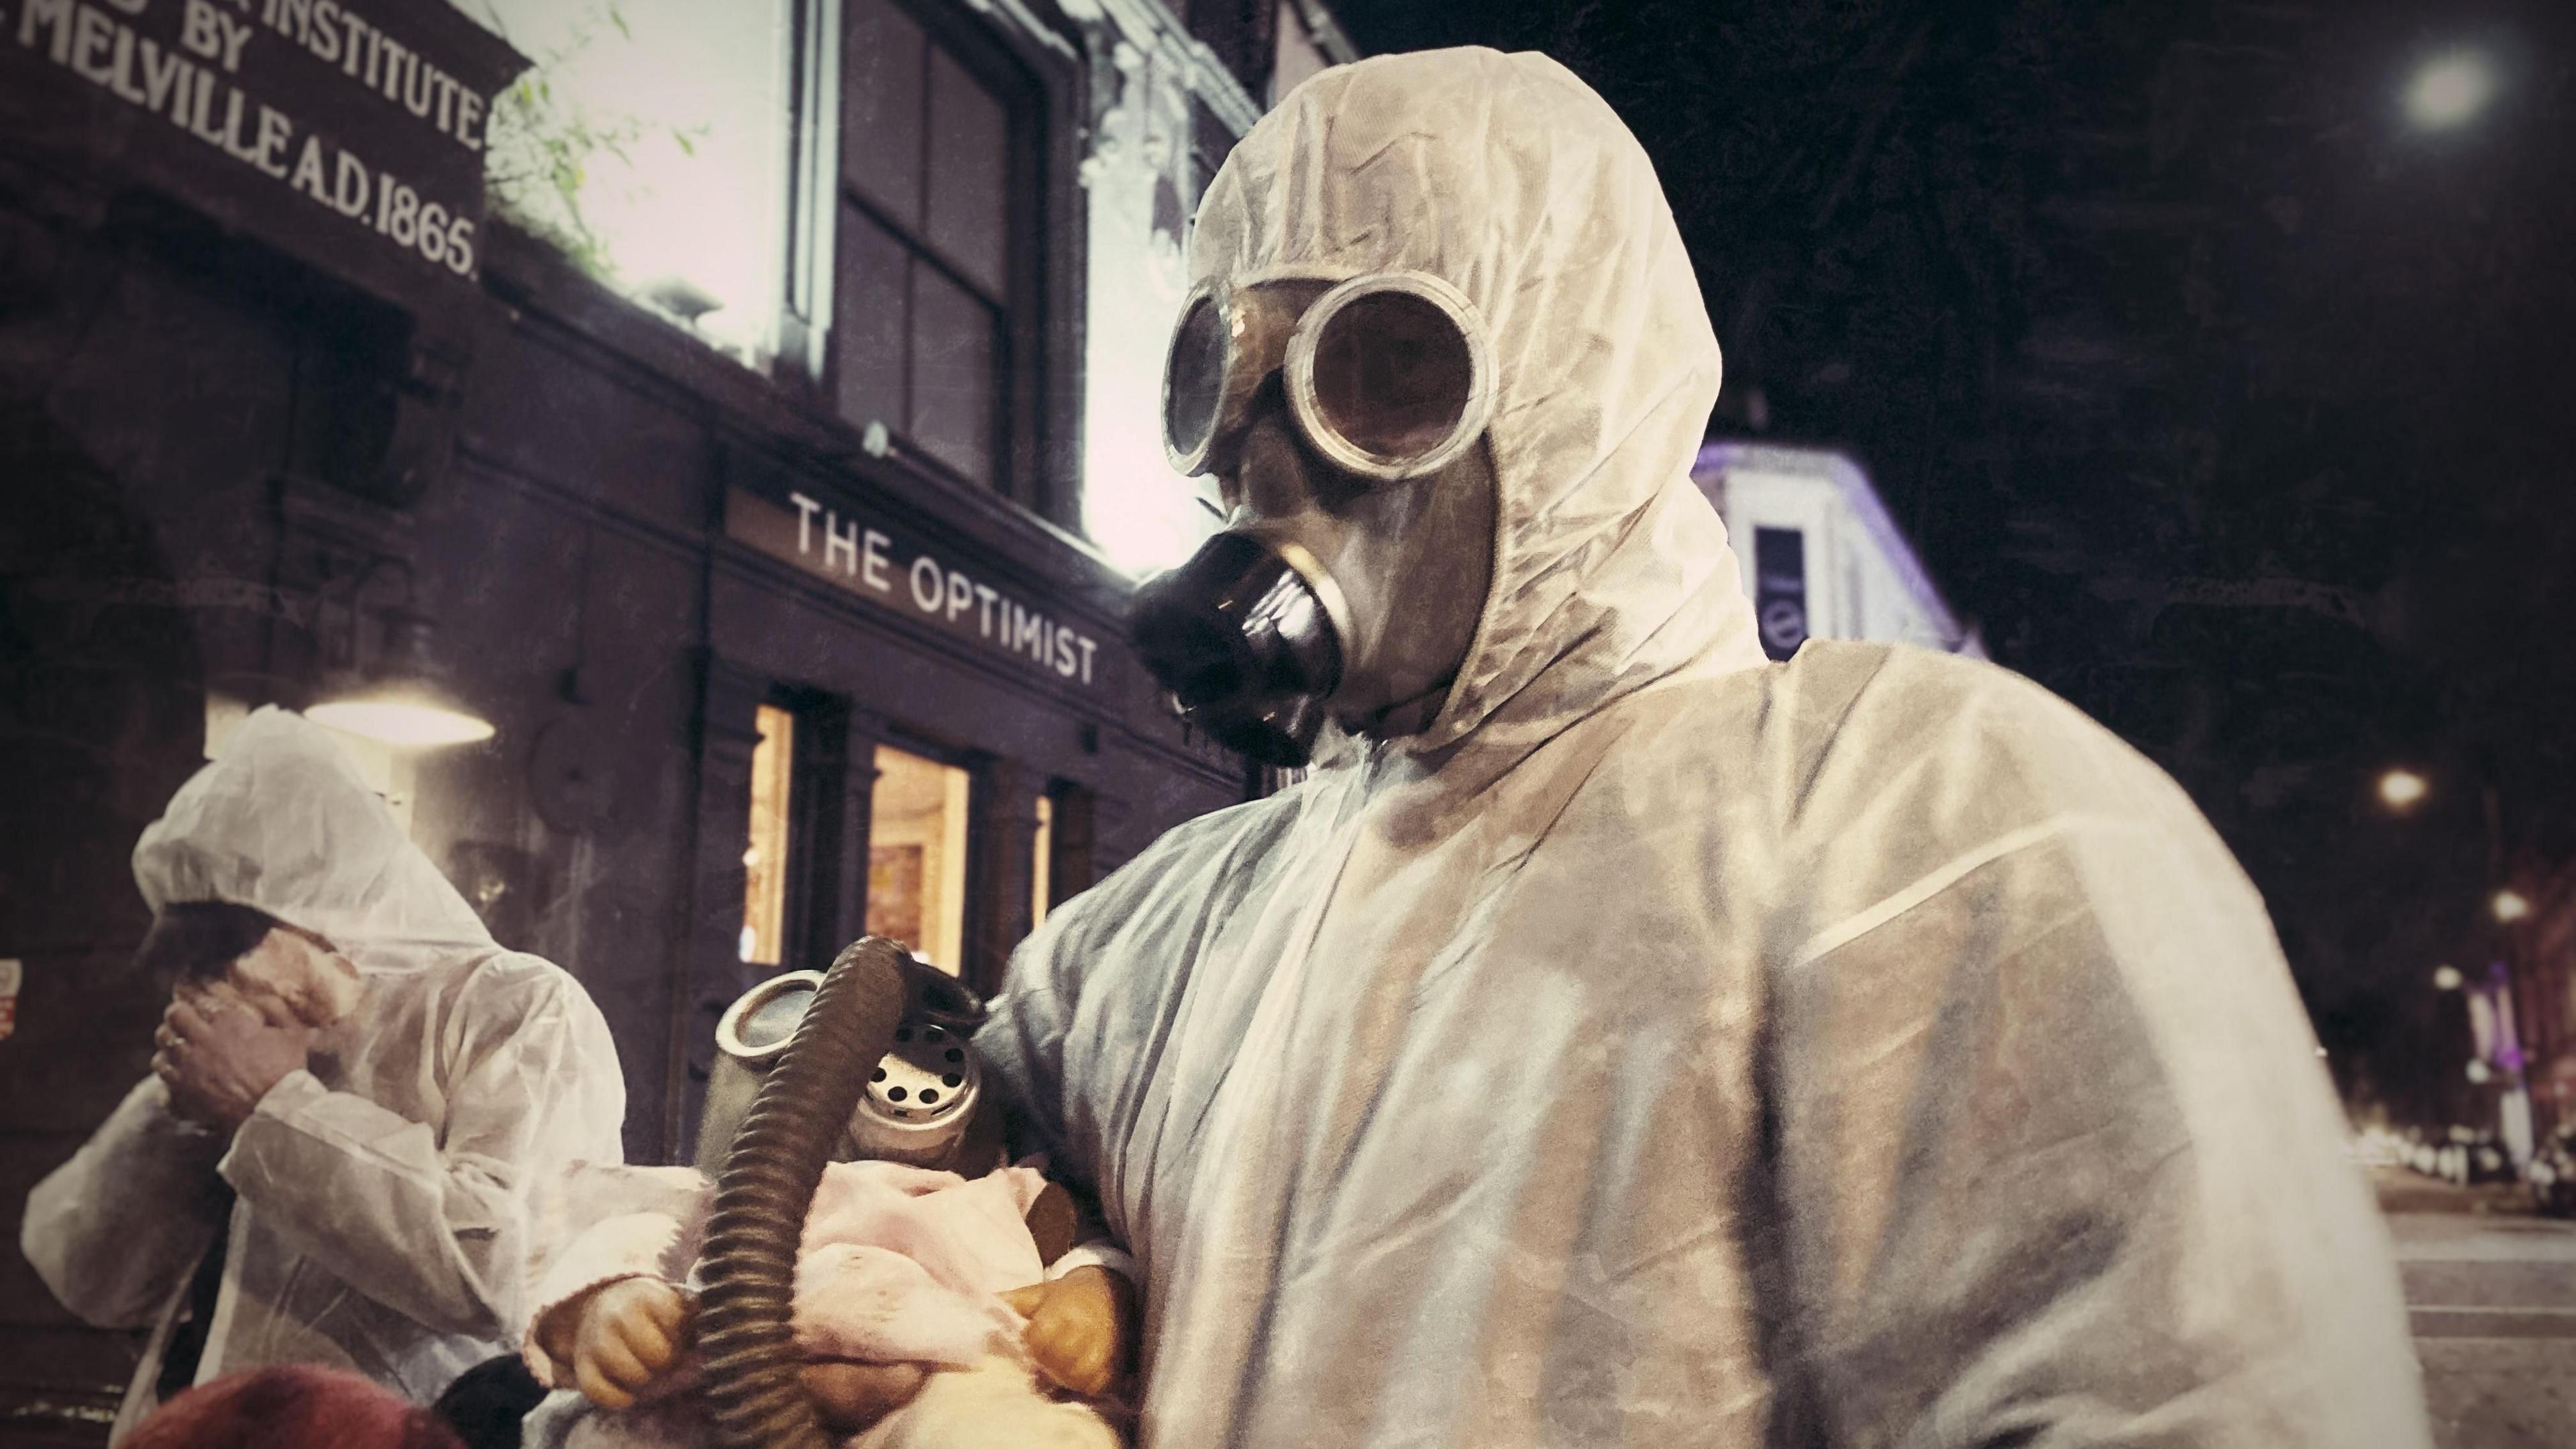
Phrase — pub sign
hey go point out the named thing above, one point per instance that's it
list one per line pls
(880, 562)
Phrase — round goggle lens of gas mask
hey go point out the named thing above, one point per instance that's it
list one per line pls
(1389, 375)
(1194, 382)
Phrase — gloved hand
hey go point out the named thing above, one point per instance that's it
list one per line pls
(628, 1334)
(623, 1337)
(1082, 1327)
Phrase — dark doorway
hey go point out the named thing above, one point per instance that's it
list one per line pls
(102, 717)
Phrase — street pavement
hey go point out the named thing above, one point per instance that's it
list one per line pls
(2491, 1295)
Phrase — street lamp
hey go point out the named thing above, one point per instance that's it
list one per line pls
(2510, 906)
(2446, 978)
(2402, 789)
(2449, 89)
(400, 697)
(401, 701)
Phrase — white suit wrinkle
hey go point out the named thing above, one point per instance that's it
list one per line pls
(1667, 1047)
(378, 1219)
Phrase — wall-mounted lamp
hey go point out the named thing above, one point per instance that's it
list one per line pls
(400, 698)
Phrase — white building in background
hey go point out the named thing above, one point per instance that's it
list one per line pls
(1174, 110)
(1821, 558)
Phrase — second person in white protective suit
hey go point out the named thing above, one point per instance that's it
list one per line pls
(1619, 1039)
(331, 1162)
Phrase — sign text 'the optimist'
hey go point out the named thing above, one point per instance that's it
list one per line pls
(869, 562)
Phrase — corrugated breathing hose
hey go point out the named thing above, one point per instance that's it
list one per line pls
(754, 1394)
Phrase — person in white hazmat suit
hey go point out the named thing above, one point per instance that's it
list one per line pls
(342, 1182)
(1617, 1038)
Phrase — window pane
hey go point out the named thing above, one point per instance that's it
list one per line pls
(970, 173)
(881, 108)
(650, 142)
(953, 384)
(917, 857)
(764, 861)
(868, 330)
(1042, 862)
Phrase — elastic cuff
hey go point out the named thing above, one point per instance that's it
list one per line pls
(166, 1121)
(295, 1090)
(291, 1091)
(1100, 1254)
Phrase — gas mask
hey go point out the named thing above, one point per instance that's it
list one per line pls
(1339, 418)
(919, 1098)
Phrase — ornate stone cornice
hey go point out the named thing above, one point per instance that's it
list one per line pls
(1150, 26)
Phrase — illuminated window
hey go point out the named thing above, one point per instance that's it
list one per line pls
(764, 859)
(923, 294)
(650, 141)
(917, 857)
(1042, 862)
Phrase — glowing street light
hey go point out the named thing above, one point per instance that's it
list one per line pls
(418, 717)
(2510, 906)
(401, 701)
(2446, 978)
(2402, 789)
(2450, 89)
(2480, 1073)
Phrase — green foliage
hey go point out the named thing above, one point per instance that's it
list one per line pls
(545, 145)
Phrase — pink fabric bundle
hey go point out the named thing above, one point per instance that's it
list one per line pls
(898, 1264)
(903, 1264)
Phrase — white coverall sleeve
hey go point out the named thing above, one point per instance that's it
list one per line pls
(1102, 942)
(2053, 1163)
(114, 1231)
(610, 1222)
(432, 1220)
(1022, 1046)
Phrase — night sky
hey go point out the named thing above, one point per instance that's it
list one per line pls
(2228, 403)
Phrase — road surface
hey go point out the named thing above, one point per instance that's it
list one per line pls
(2491, 1296)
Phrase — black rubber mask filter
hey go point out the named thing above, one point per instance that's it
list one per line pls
(1243, 645)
